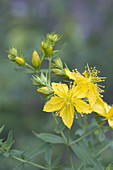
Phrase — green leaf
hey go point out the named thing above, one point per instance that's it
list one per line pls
(110, 167)
(38, 151)
(48, 155)
(33, 155)
(100, 147)
(97, 118)
(6, 154)
(56, 162)
(101, 135)
(25, 70)
(51, 138)
(83, 152)
(80, 132)
(8, 143)
(1, 129)
(15, 152)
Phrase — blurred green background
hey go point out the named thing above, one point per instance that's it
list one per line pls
(86, 28)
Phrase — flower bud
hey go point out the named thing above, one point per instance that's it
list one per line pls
(13, 52)
(45, 90)
(59, 72)
(58, 63)
(11, 57)
(49, 50)
(20, 61)
(35, 59)
(44, 46)
(53, 38)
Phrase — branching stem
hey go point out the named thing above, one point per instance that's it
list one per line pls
(29, 162)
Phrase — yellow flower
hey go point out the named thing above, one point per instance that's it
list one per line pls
(103, 109)
(88, 82)
(65, 101)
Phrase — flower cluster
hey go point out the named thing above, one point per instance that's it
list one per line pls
(81, 94)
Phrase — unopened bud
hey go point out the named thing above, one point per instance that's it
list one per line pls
(43, 46)
(11, 57)
(46, 49)
(59, 72)
(45, 90)
(49, 50)
(20, 61)
(13, 52)
(58, 63)
(35, 59)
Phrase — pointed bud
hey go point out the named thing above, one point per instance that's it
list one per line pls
(44, 46)
(35, 59)
(46, 49)
(49, 51)
(20, 61)
(58, 63)
(13, 51)
(11, 57)
(45, 90)
(59, 72)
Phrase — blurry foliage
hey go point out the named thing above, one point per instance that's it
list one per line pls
(86, 27)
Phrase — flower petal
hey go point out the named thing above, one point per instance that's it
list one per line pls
(54, 104)
(109, 115)
(81, 106)
(99, 107)
(79, 91)
(67, 114)
(70, 74)
(60, 89)
(92, 93)
(110, 122)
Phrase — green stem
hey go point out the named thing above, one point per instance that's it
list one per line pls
(62, 134)
(82, 137)
(49, 74)
(31, 67)
(89, 133)
(29, 162)
(102, 150)
(69, 150)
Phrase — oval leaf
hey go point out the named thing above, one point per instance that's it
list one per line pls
(51, 138)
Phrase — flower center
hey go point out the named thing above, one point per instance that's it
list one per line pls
(68, 99)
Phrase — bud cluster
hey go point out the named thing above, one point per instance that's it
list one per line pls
(13, 56)
(41, 77)
(48, 44)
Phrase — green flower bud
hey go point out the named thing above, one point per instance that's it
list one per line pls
(45, 90)
(46, 49)
(11, 57)
(58, 63)
(20, 61)
(49, 51)
(35, 59)
(59, 72)
(44, 46)
(13, 52)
